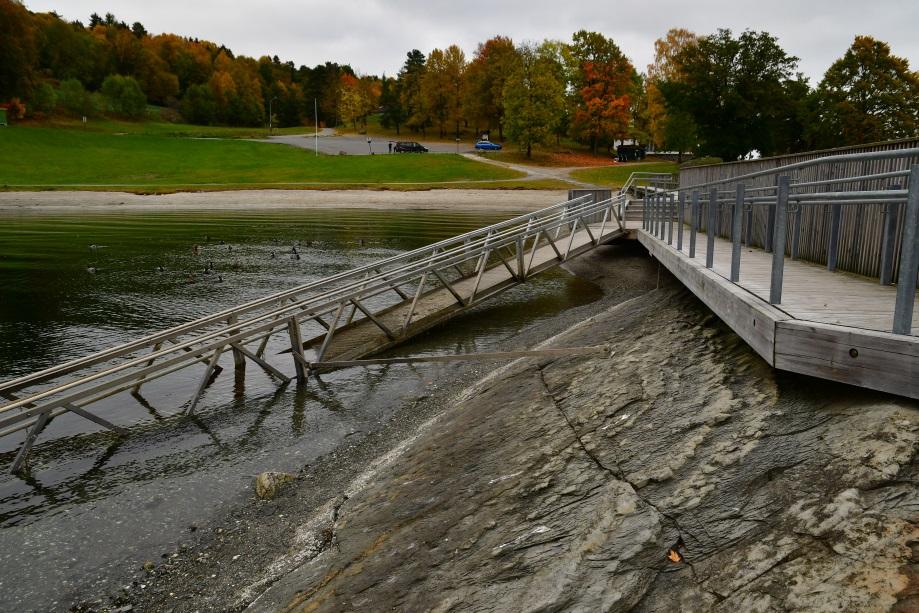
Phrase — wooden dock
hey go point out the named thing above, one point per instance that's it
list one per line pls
(803, 316)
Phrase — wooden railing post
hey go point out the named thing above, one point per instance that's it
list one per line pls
(778, 241)
(710, 228)
(694, 223)
(909, 259)
(888, 239)
(736, 229)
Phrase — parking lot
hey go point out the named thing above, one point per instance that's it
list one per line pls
(356, 144)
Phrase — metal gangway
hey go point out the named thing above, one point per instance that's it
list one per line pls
(343, 317)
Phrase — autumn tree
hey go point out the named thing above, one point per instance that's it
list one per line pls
(393, 113)
(18, 52)
(410, 91)
(454, 73)
(603, 78)
(664, 68)
(534, 98)
(737, 92)
(486, 76)
(358, 98)
(867, 95)
(554, 53)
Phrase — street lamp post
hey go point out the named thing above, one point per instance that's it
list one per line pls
(269, 113)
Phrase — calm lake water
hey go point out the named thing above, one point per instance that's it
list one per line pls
(96, 505)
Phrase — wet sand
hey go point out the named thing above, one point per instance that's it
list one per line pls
(458, 199)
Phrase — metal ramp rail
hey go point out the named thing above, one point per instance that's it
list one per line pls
(642, 184)
(469, 268)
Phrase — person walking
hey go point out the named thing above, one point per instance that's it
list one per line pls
(390, 146)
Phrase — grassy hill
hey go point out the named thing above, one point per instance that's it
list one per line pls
(146, 157)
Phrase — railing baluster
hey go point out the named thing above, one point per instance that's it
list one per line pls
(736, 228)
(694, 223)
(749, 231)
(679, 228)
(662, 215)
(768, 240)
(909, 259)
(796, 231)
(645, 213)
(710, 228)
(669, 219)
(888, 239)
(778, 241)
(832, 254)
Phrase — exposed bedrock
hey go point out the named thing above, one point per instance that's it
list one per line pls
(565, 484)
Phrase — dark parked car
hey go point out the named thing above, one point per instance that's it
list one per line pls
(630, 153)
(487, 145)
(409, 147)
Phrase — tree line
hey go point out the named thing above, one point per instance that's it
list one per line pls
(721, 94)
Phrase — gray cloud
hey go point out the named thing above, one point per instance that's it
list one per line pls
(374, 35)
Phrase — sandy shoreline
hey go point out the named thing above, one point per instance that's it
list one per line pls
(459, 199)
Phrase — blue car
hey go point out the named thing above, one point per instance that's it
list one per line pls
(487, 145)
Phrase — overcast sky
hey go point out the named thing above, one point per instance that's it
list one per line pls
(374, 35)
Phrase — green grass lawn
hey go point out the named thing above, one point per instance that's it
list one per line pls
(163, 128)
(616, 176)
(38, 157)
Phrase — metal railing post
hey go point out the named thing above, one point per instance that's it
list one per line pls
(710, 228)
(681, 208)
(669, 219)
(888, 239)
(736, 228)
(694, 223)
(909, 259)
(832, 253)
(778, 241)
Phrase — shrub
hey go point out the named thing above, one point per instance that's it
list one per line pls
(72, 98)
(124, 96)
(44, 99)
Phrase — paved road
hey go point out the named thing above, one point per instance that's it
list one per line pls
(355, 144)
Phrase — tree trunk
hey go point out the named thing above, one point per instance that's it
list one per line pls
(529, 150)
